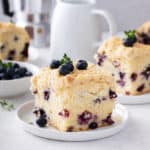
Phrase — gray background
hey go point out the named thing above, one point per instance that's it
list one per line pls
(128, 13)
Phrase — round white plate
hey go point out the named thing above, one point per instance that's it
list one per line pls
(26, 119)
(140, 99)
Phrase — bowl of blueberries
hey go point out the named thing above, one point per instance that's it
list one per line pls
(15, 77)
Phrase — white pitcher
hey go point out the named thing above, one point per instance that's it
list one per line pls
(76, 29)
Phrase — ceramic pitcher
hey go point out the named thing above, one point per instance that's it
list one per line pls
(76, 28)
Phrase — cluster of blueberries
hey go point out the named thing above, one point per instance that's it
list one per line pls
(9, 71)
(66, 67)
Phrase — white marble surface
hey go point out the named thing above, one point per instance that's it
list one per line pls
(136, 135)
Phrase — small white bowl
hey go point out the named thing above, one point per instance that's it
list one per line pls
(14, 87)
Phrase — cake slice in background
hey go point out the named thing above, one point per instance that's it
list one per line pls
(73, 96)
(143, 33)
(129, 63)
(14, 42)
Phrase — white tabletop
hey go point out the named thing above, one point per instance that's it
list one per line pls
(136, 135)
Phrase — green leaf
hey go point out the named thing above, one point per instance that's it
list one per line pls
(5, 65)
(30, 122)
(1, 63)
(65, 59)
(6, 106)
(130, 34)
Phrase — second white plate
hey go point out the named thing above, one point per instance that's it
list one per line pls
(139, 99)
(26, 119)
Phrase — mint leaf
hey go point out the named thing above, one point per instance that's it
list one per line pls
(6, 106)
(65, 59)
(130, 34)
(1, 62)
(6, 65)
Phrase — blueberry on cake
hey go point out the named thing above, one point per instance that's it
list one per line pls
(73, 96)
(128, 61)
(14, 42)
(143, 33)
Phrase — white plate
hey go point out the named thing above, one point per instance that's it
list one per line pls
(9, 88)
(140, 99)
(25, 116)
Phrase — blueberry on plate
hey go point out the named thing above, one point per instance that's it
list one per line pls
(66, 68)
(41, 122)
(15, 65)
(2, 69)
(22, 71)
(82, 65)
(2, 76)
(15, 76)
(93, 125)
(55, 64)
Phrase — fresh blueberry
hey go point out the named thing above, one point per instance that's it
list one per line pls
(15, 65)
(2, 75)
(41, 122)
(66, 68)
(15, 76)
(55, 64)
(2, 69)
(82, 65)
(10, 71)
(93, 125)
(22, 71)
(129, 42)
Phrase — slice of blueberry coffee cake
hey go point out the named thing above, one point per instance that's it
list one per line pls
(14, 42)
(73, 96)
(130, 61)
(143, 33)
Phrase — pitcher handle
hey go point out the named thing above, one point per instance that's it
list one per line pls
(110, 20)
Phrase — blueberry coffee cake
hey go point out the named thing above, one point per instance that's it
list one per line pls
(14, 42)
(143, 33)
(73, 96)
(130, 61)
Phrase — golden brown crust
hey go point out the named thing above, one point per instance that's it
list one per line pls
(93, 73)
(115, 49)
(128, 61)
(144, 28)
